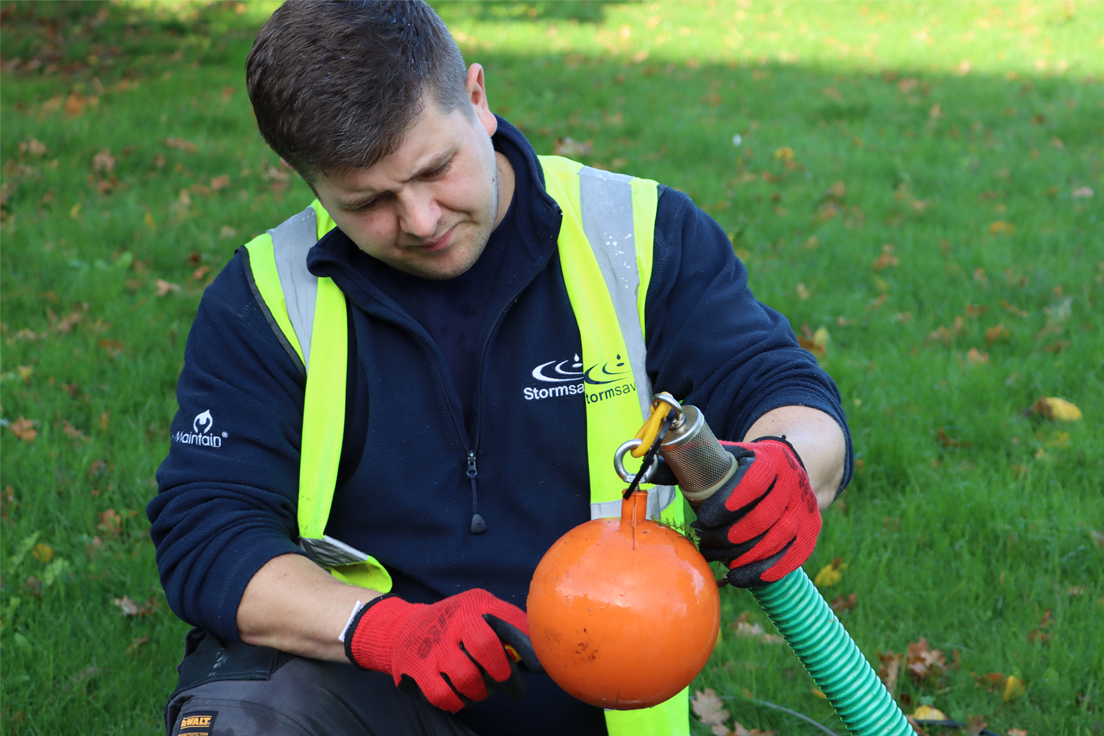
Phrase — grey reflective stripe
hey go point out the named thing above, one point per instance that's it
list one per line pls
(659, 498)
(605, 201)
(330, 552)
(291, 241)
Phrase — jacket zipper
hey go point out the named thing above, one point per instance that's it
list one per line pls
(477, 524)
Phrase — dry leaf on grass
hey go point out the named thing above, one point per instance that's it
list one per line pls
(815, 342)
(164, 287)
(24, 429)
(975, 725)
(1054, 409)
(708, 707)
(181, 145)
(841, 604)
(923, 662)
(890, 670)
(928, 713)
(571, 148)
(127, 606)
(1013, 688)
(830, 574)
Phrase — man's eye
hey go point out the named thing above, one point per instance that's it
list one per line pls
(364, 207)
(438, 173)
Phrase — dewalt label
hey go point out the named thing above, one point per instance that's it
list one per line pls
(196, 724)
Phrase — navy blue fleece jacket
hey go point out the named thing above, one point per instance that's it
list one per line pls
(227, 504)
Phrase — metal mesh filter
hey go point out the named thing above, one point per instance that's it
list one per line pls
(694, 454)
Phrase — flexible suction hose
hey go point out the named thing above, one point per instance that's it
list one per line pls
(793, 604)
(810, 627)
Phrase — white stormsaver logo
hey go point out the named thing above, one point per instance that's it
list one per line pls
(201, 432)
(569, 378)
(559, 372)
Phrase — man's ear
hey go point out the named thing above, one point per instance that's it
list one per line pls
(477, 94)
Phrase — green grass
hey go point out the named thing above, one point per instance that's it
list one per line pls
(967, 519)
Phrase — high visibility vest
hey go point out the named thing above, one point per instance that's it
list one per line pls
(605, 249)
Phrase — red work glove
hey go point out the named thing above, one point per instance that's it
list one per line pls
(451, 652)
(764, 522)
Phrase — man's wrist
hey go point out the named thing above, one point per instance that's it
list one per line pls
(345, 630)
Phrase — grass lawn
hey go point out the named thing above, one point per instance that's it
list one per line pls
(916, 185)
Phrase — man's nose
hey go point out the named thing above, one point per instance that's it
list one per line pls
(419, 213)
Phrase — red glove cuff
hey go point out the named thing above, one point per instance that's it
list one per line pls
(370, 647)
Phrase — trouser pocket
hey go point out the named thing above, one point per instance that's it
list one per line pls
(207, 658)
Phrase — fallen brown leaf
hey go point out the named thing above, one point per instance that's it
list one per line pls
(886, 259)
(110, 522)
(890, 670)
(181, 144)
(841, 604)
(708, 707)
(164, 287)
(103, 162)
(137, 642)
(24, 429)
(126, 606)
(923, 662)
(571, 148)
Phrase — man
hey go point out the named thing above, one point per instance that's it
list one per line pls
(473, 360)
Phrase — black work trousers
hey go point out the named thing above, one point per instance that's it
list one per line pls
(233, 689)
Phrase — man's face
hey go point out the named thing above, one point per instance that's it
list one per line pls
(429, 207)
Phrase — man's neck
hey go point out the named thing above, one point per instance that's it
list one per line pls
(505, 185)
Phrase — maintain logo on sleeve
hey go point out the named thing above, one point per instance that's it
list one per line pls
(201, 433)
(568, 378)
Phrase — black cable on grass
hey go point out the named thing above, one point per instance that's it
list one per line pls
(775, 706)
(802, 716)
(922, 723)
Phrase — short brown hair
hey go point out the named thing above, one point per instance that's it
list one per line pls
(335, 84)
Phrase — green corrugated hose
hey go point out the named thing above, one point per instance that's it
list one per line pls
(810, 627)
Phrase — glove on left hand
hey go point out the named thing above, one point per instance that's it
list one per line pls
(451, 651)
(764, 522)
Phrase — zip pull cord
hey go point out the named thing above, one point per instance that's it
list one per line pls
(478, 526)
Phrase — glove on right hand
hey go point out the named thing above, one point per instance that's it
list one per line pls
(451, 651)
(764, 522)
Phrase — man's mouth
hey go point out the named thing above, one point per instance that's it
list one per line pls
(440, 244)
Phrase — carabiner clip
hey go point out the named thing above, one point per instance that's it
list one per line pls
(648, 432)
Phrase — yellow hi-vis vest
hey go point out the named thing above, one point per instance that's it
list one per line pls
(605, 249)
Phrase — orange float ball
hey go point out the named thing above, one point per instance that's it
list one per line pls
(623, 613)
